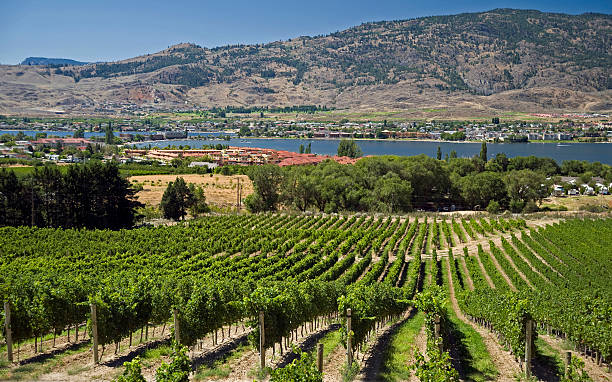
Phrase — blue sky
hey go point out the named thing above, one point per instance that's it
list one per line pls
(91, 30)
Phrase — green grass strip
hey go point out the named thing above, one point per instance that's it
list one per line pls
(400, 352)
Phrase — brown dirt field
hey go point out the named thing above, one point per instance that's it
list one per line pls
(79, 366)
(220, 190)
(573, 203)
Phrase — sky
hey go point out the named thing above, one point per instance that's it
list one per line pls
(109, 30)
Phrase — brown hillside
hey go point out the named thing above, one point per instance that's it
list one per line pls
(477, 63)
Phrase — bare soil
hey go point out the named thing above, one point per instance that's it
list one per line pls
(220, 190)
(574, 203)
(332, 366)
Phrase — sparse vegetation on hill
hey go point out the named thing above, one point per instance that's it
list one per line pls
(554, 61)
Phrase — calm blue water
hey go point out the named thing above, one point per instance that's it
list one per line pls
(593, 152)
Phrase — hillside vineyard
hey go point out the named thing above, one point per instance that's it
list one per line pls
(225, 270)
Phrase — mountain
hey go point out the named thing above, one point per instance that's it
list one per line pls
(51, 61)
(470, 64)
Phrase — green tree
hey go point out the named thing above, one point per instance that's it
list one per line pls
(493, 207)
(479, 189)
(393, 193)
(298, 187)
(439, 153)
(524, 186)
(453, 154)
(266, 183)
(308, 148)
(244, 131)
(301, 149)
(109, 138)
(483, 152)
(79, 133)
(176, 199)
(349, 148)
(198, 203)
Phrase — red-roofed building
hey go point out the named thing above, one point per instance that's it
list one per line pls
(243, 156)
(80, 143)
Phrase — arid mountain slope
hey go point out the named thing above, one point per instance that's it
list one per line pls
(476, 63)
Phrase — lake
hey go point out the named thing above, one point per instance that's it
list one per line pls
(592, 152)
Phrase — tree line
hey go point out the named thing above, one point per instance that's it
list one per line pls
(402, 184)
(92, 195)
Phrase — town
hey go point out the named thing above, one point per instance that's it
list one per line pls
(140, 129)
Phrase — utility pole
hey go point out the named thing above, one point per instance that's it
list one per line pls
(238, 194)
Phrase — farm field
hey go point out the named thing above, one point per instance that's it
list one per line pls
(206, 283)
(220, 190)
(575, 203)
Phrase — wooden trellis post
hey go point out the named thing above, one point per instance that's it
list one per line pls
(349, 347)
(94, 330)
(528, 347)
(7, 328)
(177, 328)
(320, 357)
(262, 341)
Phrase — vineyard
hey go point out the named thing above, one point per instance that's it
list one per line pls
(389, 298)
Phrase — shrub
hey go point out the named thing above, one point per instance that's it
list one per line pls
(178, 369)
(493, 207)
(301, 369)
(132, 372)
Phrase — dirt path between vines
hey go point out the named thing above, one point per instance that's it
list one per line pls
(504, 361)
(516, 269)
(519, 254)
(484, 272)
(244, 368)
(500, 269)
(468, 278)
(597, 373)
(374, 358)
(420, 343)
